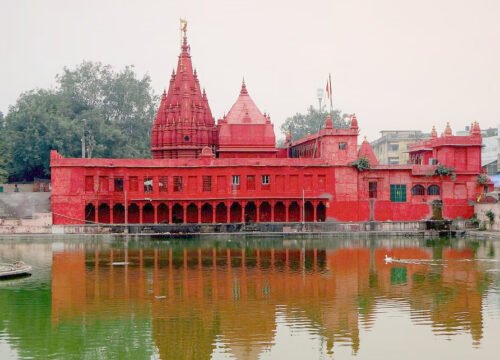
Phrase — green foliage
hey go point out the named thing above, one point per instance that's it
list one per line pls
(474, 221)
(117, 108)
(3, 151)
(301, 125)
(491, 216)
(442, 170)
(361, 164)
(482, 179)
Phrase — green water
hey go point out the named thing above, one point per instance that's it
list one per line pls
(116, 298)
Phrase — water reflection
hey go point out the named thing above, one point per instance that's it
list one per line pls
(202, 300)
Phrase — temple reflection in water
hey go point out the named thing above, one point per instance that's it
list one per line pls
(196, 298)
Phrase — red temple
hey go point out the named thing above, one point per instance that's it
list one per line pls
(231, 172)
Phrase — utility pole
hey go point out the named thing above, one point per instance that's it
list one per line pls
(83, 138)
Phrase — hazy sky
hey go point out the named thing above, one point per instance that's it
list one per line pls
(397, 64)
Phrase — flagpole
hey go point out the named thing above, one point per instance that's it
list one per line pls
(330, 88)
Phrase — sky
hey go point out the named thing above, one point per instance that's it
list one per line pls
(397, 64)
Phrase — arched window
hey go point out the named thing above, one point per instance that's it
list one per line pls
(418, 190)
(433, 190)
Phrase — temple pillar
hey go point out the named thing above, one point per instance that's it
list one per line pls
(155, 211)
(228, 210)
(243, 204)
(214, 211)
(140, 212)
(272, 210)
(111, 217)
(96, 217)
(257, 211)
(170, 215)
(199, 212)
(287, 204)
(314, 204)
(185, 210)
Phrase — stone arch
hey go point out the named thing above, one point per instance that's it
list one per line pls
(148, 214)
(308, 211)
(418, 190)
(90, 213)
(265, 212)
(221, 213)
(192, 214)
(118, 214)
(294, 212)
(133, 214)
(177, 214)
(250, 212)
(206, 213)
(279, 212)
(433, 190)
(104, 214)
(321, 212)
(235, 212)
(162, 213)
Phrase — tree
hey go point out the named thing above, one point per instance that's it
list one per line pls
(117, 108)
(301, 125)
(3, 151)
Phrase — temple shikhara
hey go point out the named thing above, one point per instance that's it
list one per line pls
(204, 171)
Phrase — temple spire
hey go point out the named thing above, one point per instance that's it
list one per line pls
(243, 90)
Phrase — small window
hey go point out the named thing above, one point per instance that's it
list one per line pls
(207, 183)
(433, 161)
(177, 183)
(266, 179)
(398, 193)
(133, 183)
(250, 182)
(342, 146)
(433, 190)
(89, 183)
(148, 184)
(372, 189)
(393, 160)
(418, 190)
(163, 183)
(103, 183)
(393, 146)
(118, 184)
(236, 180)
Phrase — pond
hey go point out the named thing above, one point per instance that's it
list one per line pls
(250, 298)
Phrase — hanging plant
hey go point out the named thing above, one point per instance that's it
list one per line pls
(361, 164)
(442, 170)
(482, 179)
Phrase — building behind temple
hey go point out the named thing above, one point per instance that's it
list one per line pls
(231, 171)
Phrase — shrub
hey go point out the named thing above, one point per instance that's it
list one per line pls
(482, 179)
(491, 216)
(361, 164)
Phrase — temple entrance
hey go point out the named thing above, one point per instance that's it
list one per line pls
(309, 211)
(148, 214)
(437, 210)
(90, 213)
(118, 214)
(177, 214)
(221, 213)
(104, 214)
(294, 212)
(279, 212)
(133, 214)
(265, 212)
(250, 212)
(192, 214)
(235, 211)
(162, 214)
(321, 212)
(206, 213)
